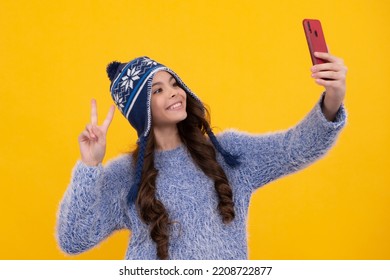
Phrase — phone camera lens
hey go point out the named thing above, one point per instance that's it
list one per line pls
(308, 25)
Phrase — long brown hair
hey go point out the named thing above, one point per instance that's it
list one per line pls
(192, 133)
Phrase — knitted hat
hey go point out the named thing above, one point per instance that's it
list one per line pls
(131, 86)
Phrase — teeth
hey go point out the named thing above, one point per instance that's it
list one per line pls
(174, 106)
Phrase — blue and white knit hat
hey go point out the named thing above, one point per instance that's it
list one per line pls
(131, 87)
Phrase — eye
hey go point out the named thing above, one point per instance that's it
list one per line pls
(157, 90)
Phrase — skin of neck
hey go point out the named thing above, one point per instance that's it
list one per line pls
(166, 137)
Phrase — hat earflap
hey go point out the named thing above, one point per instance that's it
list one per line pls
(132, 195)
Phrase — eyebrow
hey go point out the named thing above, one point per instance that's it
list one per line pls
(159, 83)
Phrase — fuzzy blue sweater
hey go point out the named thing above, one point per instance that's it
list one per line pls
(94, 204)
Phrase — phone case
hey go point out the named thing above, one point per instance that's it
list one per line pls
(315, 39)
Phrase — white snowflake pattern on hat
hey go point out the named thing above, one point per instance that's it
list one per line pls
(149, 61)
(119, 101)
(131, 75)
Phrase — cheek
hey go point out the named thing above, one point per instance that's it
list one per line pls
(185, 100)
(184, 94)
(154, 107)
(157, 107)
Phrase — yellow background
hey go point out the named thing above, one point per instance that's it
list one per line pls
(248, 60)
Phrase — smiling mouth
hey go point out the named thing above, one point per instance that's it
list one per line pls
(175, 106)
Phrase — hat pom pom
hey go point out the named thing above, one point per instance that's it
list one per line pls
(111, 69)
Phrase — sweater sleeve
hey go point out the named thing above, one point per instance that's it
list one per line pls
(269, 156)
(93, 205)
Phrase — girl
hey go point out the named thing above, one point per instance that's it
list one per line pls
(182, 193)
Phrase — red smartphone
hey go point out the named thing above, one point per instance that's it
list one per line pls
(315, 39)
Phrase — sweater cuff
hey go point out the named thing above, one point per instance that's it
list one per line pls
(85, 179)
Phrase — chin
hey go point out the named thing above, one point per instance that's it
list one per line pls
(182, 117)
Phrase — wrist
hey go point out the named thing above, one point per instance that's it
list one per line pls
(91, 163)
(330, 107)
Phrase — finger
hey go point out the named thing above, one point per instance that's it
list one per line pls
(89, 129)
(93, 112)
(84, 136)
(329, 75)
(328, 83)
(110, 116)
(322, 82)
(326, 56)
(328, 67)
(324, 67)
(324, 75)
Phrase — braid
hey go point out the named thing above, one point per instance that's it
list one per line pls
(192, 131)
(150, 209)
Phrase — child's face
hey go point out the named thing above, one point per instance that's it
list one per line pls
(168, 102)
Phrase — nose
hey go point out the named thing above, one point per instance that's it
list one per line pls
(174, 92)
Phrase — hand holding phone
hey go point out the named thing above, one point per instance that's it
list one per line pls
(315, 39)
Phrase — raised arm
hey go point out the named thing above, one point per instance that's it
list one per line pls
(266, 157)
(269, 156)
(93, 205)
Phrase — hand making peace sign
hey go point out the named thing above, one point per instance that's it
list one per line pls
(92, 140)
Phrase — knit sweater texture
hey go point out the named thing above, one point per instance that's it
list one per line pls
(94, 204)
